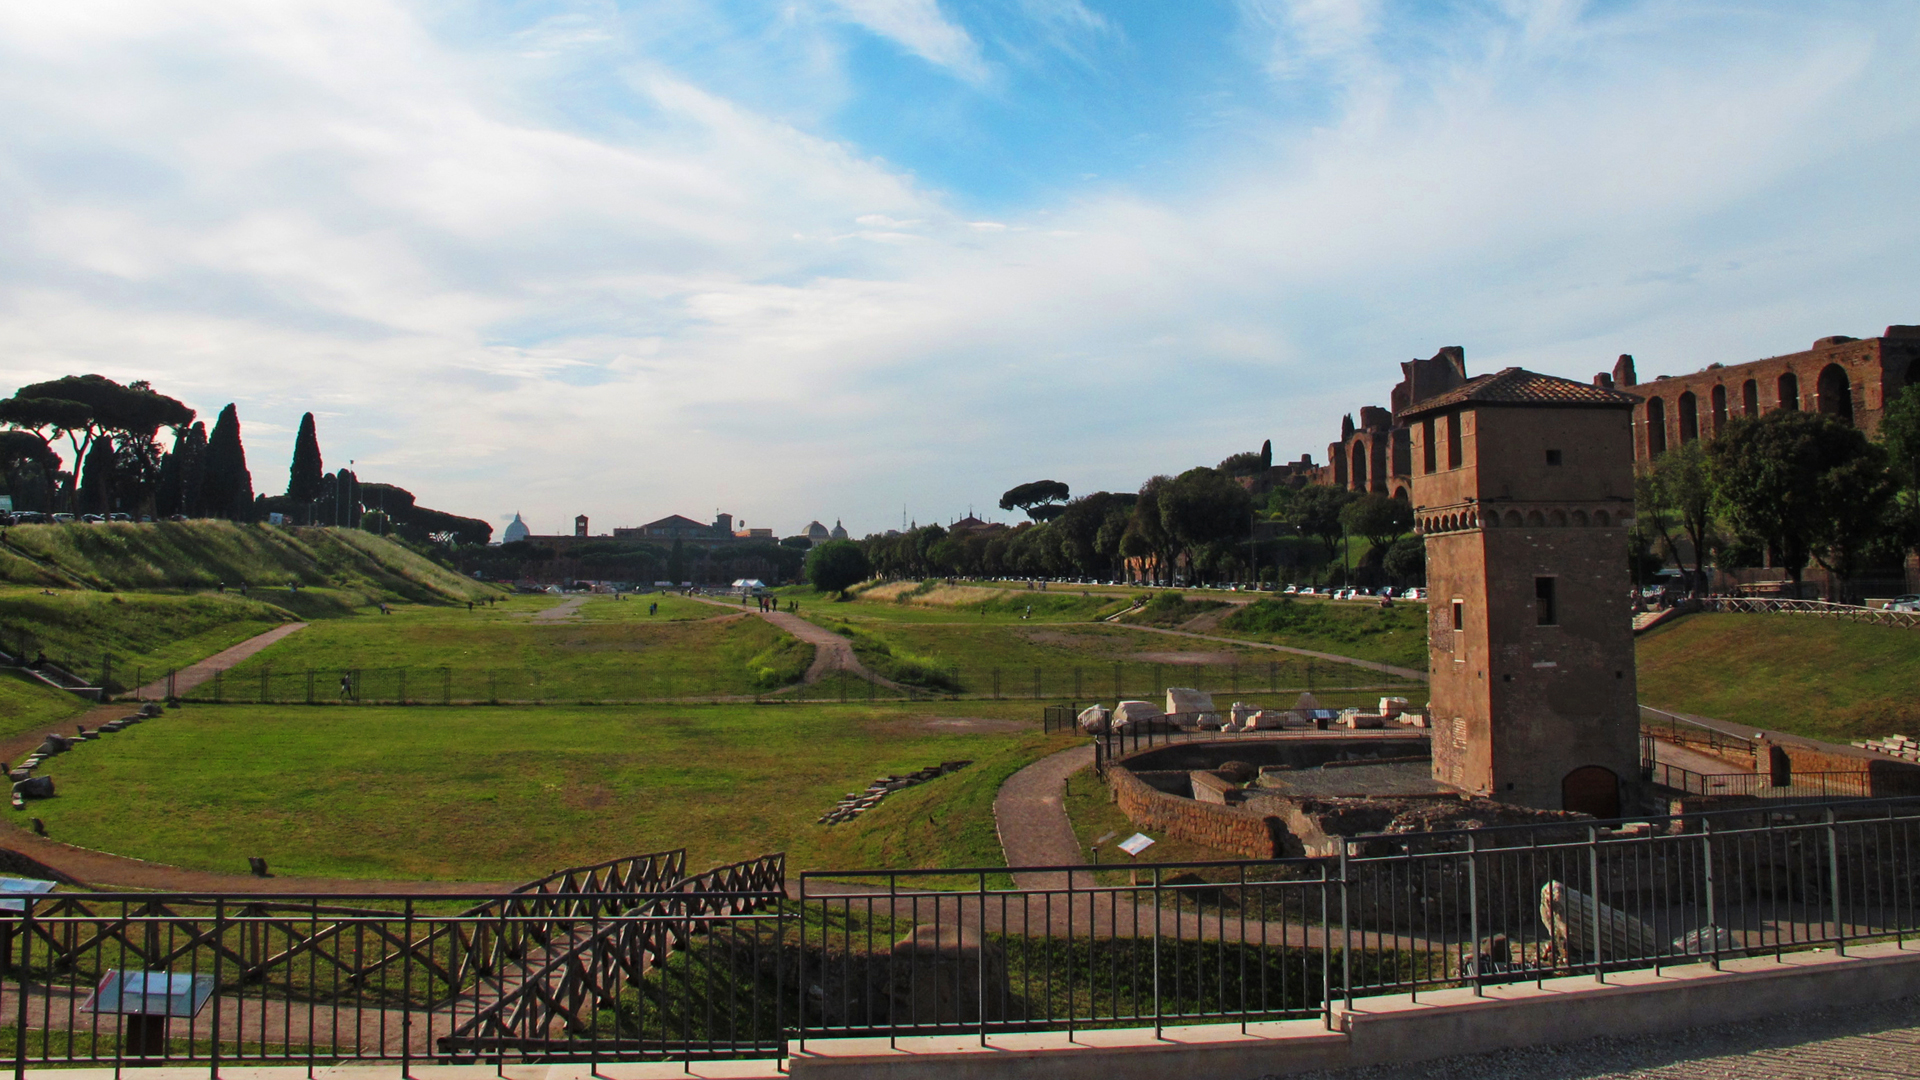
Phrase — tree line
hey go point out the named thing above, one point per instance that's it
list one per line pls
(1786, 489)
(145, 454)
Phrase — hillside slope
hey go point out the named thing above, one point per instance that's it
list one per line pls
(1794, 673)
(195, 555)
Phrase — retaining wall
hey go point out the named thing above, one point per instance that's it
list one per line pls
(1226, 828)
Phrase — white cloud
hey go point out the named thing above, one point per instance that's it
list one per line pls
(919, 27)
(305, 205)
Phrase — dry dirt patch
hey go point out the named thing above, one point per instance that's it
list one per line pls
(971, 723)
(1186, 657)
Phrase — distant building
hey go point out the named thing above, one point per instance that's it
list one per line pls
(675, 527)
(817, 532)
(516, 530)
(839, 531)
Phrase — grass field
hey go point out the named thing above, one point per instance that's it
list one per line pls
(509, 793)
(1795, 673)
(145, 633)
(598, 649)
(1396, 635)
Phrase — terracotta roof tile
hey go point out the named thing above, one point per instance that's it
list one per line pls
(1518, 386)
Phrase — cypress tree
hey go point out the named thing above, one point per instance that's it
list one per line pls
(303, 480)
(1266, 454)
(182, 472)
(229, 487)
(96, 478)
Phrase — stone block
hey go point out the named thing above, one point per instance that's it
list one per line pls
(1181, 699)
(1094, 719)
(1129, 714)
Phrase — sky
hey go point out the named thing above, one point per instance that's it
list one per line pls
(854, 259)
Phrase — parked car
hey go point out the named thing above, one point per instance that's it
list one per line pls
(1908, 602)
(63, 519)
(1414, 593)
(119, 517)
(1291, 590)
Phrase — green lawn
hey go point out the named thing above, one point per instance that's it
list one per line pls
(145, 633)
(509, 793)
(1795, 673)
(603, 650)
(1396, 635)
(26, 705)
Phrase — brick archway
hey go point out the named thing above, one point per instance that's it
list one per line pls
(1591, 789)
(1834, 395)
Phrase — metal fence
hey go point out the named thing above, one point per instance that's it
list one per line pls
(1681, 731)
(1824, 608)
(636, 961)
(264, 684)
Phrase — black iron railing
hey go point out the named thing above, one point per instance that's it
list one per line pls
(633, 962)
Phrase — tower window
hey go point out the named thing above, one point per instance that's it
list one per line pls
(1553, 457)
(1429, 453)
(1455, 455)
(1459, 614)
(1543, 602)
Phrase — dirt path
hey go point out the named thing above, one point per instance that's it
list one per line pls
(831, 652)
(1030, 815)
(557, 612)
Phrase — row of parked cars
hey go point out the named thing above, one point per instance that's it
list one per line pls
(35, 517)
(1383, 592)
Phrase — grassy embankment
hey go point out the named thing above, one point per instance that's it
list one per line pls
(955, 638)
(508, 793)
(337, 569)
(1794, 673)
(1364, 630)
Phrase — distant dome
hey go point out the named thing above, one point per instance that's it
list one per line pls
(839, 531)
(816, 531)
(517, 530)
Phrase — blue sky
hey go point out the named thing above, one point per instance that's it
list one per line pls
(825, 258)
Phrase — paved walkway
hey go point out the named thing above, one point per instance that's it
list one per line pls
(1030, 814)
(1853, 1043)
(1404, 673)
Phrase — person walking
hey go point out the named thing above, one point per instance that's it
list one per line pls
(346, 687)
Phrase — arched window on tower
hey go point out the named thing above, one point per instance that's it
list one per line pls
(1835, 396)
(1750, 399)
(1789, 389)
(1719, 408)
(1689, 418)
(1656, 427)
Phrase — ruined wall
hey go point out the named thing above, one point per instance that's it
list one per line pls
(1226, 828)
(1846, 378)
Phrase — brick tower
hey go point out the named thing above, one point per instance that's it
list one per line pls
(1523, 489)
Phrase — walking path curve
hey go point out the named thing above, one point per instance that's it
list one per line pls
(1030, 815)
(831, 652)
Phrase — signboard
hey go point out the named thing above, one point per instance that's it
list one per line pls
(1135, 844)
(150, 993)
(276, 519)
(6, 504)
(13, 887)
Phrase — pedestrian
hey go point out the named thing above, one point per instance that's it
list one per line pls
(346, 686)
(469, 605)
(653, 608)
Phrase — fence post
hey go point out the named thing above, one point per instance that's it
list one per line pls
(1346, 931)
(172, 693)
(309, 686)
(1118, 693)
(1713, 926)
(493, 687)
(1473, 915)
(216, 686)
(400, 686)
(1833, 882)
(996, 684)
(1593, 883)
(446, 686)
(1036, 684)
(266, 685)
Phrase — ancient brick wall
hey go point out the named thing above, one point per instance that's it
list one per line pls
(1226, 828)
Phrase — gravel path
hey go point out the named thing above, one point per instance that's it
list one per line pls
(1030, 814)
(831, 652)
(1870, 1041)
